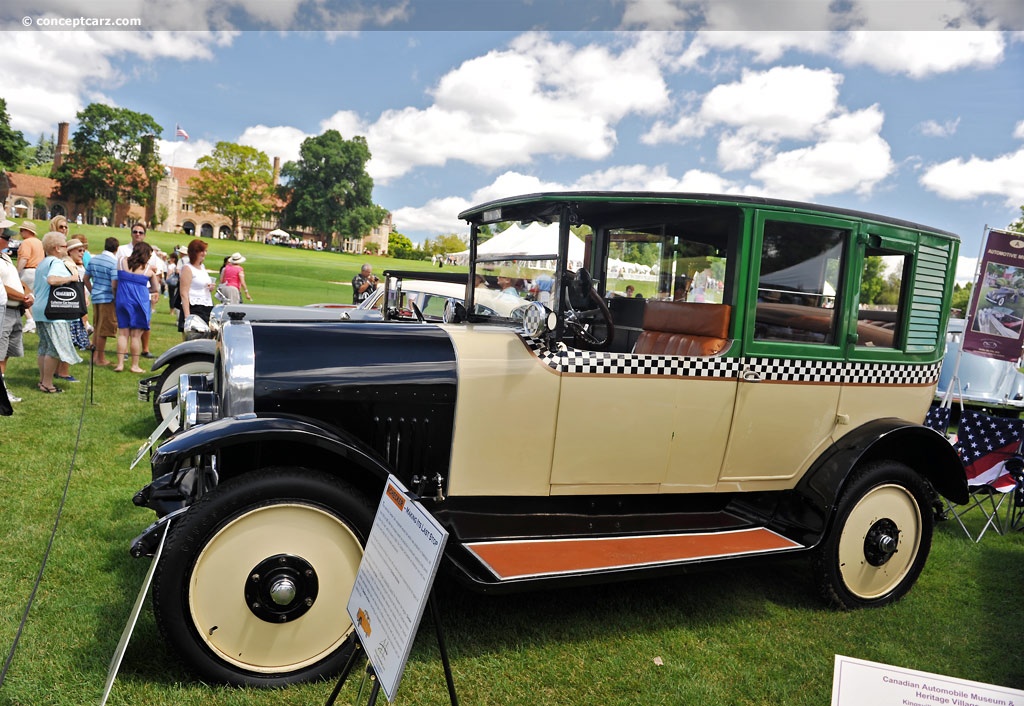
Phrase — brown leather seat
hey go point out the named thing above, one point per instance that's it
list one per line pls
(684, 328)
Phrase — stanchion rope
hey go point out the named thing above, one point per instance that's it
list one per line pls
(53, 532)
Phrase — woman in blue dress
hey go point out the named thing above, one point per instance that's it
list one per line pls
(133, 304)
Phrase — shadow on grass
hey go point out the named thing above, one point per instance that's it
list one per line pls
(478, 624)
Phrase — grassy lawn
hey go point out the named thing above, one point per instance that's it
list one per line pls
(751, 635)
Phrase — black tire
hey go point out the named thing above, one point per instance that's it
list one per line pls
(195, 364)
(880, 539)
(228, 544)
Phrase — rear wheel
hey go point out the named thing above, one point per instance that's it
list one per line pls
(880, 539)
(193, 364)
(255, 577)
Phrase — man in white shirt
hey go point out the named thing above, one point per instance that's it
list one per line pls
(13, 300)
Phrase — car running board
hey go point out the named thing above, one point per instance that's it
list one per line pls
(510, 560)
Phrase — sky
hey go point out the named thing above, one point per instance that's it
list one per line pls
(908, 108)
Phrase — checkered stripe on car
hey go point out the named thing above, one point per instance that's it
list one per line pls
(577, 362)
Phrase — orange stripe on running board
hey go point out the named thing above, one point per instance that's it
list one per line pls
(543, 557)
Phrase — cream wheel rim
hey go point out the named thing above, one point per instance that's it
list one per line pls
(883, 506)
(216, 597)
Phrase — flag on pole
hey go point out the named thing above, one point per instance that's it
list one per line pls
(179, 131)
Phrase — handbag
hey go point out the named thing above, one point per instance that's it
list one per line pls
(66, 302)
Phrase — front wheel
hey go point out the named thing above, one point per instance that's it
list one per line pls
(255, 577)
(880, 539)
(193, 364)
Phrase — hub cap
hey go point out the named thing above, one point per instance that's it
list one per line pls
(281, 588)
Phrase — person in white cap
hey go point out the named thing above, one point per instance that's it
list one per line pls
(232, 279)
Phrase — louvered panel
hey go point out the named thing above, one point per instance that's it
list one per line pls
(924, 332)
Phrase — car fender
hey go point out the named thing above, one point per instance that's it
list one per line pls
(248, 442)
(807, 513)
(203, 346)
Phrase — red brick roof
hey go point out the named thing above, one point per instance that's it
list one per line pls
(183, 174)
(30, 185)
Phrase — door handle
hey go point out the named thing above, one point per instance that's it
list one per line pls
(752, 376)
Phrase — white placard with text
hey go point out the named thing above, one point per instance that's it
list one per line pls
(857, 682)
(395, 575)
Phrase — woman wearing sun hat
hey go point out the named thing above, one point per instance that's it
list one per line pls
(232, 279)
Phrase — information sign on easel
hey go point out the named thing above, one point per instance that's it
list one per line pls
(395, 576)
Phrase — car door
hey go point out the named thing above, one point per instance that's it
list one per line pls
(793, 349)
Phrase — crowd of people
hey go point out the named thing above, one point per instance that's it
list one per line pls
(124, 284)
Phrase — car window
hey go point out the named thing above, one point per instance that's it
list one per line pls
(799, 282)
(881, 305)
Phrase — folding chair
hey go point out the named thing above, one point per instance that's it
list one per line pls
(1015, 466)
(987, 445)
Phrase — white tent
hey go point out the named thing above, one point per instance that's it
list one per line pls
(531, 241)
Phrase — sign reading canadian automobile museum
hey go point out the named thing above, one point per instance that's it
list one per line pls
(391, 589)
(994, 325)
(858, 681)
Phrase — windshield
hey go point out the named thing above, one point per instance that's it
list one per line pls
(632, 251)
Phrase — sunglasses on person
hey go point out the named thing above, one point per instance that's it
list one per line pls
(138, 232)
(63, 227)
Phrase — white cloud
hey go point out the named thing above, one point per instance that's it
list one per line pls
(182, 153)
(535, 97)
(783, 102)
(800, 16)
(850, 155)
(933, 128)
(71, 69)
(966, 269)
(346, 122)
(922, 54)
(438, 215)
(1018, 130)
(765, 47)
(741, 150)
(685, 127)
(278, 141)
(963, 179)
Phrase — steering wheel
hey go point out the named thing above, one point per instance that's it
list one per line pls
(582, 293)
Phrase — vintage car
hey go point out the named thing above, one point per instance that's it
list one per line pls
(747, 407)
(429, 290)
(1000, 295)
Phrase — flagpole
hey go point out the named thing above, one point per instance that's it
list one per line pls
(975, 286)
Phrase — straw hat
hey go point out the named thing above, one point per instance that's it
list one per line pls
(75, 243)
(29, 226)
(236, 258)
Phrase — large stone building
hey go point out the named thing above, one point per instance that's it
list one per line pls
(171, 209)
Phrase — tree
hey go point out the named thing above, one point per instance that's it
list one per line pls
(43, 152)
(236, 181)
(961, 297)
(328, 188)
(871, 281)
(108, 158)
(445, 244)
(399, 246)
(1018, 225)
(12, 142)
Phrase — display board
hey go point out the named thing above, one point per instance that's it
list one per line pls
(856, 682)
(395, 576)
(995, 323)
